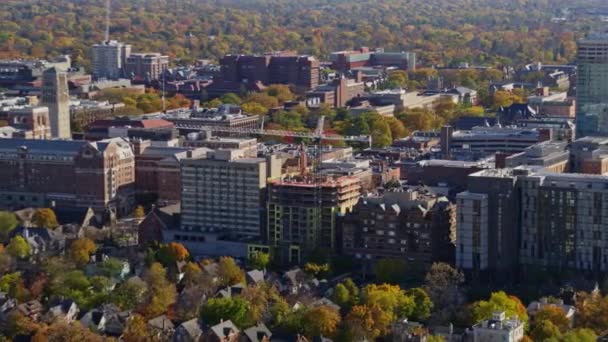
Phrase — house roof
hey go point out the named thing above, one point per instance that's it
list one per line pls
(161, 323)
(224, 329)
(192, 328)
(255, 276)
(257, 333)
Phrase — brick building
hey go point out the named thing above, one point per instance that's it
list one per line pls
(240, 71)
(410, 225)
(67, 174)
(146, 66)
(32, 121)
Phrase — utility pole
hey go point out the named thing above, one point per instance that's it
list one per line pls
(107, 33)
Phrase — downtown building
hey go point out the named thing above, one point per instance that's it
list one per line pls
(592, 85)
(146, 66)
(67, 174)
(109, 59)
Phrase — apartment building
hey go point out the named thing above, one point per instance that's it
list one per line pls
(146, 66)
(410, 224)
(302, 214)
(109, 59)
(224, 192)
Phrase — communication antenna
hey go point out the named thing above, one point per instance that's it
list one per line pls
(107, 33)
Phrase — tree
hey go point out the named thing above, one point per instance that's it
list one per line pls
(6, 262)
(592, 312)
(317, 270)
(442, 284)
(81, 249)
(63, 332)
(254, 108)
(139, 212)
(229, 272)
(136, 329)
(112, 268)
(45, 218)
(367, 322)
(218, 309)
(172, 252)
(259, 260)
(263, 100)
(161, 293)
(544, 330)
(321, 320)
(390, 271)
(279, 311)
(19, 248)
(580, 335)
(129, 294)
(87, 293)
(231, 98)
(398, 130)
(258, 297)
(8, 222)
(424, 305)
(555, 315)
(280, 91)
(192, 274)
(499, 301)
(390, 298)
(341, 296)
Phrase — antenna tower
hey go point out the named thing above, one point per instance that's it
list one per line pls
(107, 33)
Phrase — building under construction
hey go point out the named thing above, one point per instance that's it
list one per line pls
(302, 213)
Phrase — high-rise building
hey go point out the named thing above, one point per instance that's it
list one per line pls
(302, 214)
(56, 97)
(146, 66)
(487, 223)
(109, 59)
(224, 193)
(592, 85)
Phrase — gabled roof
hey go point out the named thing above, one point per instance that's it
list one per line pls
(257, 333)
(224, 329)
(161, 323)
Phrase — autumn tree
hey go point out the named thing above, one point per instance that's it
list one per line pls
(129, 294)
(280, 91)
(555, 315)
(8, 222)
(579, 335)
(18, 247)
(136, 330)
(545, 330)
(81, 249)
(390, 298)
(229, 272)
(317, 270)
(592, 312)
(321, 320)
(63, 332)
(367, 322)
(45, 218)
(172, 252)
(423, 304)
(254, 108)
(499, 301)
(258, 298)
(161, 293)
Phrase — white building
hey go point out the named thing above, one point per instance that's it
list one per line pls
(109, 59)
(499, 328)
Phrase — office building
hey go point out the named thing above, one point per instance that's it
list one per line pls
(499, 328)
(364, 57)
(410, 225)
(224, 193)
(29, 121)
(589, 155)
(592, 85)
(56, 97)
(547, 156)
(336, 94)
(109, 59)
(146, 66)
(67, 174)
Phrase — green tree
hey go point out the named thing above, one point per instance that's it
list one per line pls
(280, 91)
(544, 330)
(139, 212)
(45, 217)
(424, 305)
(499, 301)
(580, 335)
(19, 248)
(259, 260)
(390, 271)
(161, 293)
(317, 270)
(254, 108)
(218, 309)
(555, 315)
(8, 222)
(129, 294)
(341, 296)
(112, 268)
(443, 285)
(390, 298)
(231, 98)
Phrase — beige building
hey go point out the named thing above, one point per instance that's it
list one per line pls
(56, 97)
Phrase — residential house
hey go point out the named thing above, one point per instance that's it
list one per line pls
(42, 240)
(32, 310)
(188, 331)
(225, 331)
(66, 310)
(161, 327)
(535, 306)
(158, 219)
(254, 277)
(107, 319)
(256, 333)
